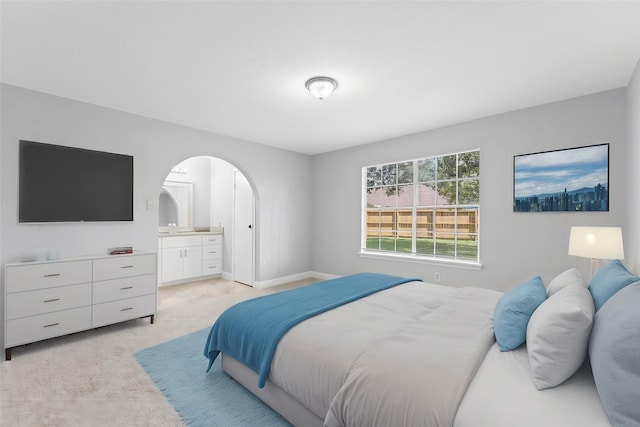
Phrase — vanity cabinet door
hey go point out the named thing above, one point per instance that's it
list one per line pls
(192, 262)
(171, 264)
(181, 263)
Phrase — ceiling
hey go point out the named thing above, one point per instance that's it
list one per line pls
(238, 68)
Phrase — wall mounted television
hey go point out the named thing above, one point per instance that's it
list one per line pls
(68, 184)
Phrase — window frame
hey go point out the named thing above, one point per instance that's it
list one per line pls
(416, 180)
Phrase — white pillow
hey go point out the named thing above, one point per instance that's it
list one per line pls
(566, 278)
(558, 335)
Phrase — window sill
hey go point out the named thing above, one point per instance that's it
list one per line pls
(470, 265)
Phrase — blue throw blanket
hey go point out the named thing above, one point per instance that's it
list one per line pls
(250, 331)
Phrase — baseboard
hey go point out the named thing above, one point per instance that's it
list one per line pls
(261, 284)
(323, 276)
(292, 278)
(189, 280)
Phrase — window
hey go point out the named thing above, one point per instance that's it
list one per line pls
(425, 208)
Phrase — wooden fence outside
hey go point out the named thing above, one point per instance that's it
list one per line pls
(398, 223)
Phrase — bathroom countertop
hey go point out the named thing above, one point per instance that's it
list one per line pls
(192, 233)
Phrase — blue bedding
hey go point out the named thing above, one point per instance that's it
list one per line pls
(250, 331)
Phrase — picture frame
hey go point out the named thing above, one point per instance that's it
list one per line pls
(566, 180)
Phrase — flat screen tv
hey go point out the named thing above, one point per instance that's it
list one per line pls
(68, 184)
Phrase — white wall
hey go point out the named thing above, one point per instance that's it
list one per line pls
(280, 179)
(513, 246)
(222, 206)
(199, 170)
(632, 230)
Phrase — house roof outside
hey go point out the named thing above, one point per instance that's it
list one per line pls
(427, 196)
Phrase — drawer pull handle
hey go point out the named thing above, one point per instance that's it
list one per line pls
(127, 266)
(213, 266)
(213, 252)
(126, 309)
(52, 300)
(52, 275)
(126, 287)
(53, 324)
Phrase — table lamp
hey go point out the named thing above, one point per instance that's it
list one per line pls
(596, 243)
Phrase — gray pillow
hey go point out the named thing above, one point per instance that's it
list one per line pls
(614, 350)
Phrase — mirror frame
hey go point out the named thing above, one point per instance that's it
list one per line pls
(189, 226)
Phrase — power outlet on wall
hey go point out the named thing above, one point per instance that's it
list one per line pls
(436, 276)
(263, 266)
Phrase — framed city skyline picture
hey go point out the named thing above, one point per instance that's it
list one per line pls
(567, 180)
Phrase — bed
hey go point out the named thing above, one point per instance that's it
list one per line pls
(403, 353)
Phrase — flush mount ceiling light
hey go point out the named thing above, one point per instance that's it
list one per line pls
(321, 87)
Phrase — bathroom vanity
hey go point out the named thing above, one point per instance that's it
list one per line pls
(189, 256)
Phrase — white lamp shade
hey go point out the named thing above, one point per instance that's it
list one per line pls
(596, 242)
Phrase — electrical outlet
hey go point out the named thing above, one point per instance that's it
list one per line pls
(436, 276)
(263, 266)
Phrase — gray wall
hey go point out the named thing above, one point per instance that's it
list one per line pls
(308, 208)
(632, 234)
(280, 179)
(513, 246)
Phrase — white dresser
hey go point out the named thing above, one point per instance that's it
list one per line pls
(189, 256)
(52, 298)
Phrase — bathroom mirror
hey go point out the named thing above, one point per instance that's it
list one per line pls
(176, 206)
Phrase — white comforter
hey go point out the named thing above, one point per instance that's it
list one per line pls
(403, 356)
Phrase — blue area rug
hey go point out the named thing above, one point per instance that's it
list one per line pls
(202, 399)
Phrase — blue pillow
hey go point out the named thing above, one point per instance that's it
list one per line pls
(608, 280)
(614, 352)
(513, 310)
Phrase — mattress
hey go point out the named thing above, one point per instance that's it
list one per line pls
(402, 356)
(502, 394)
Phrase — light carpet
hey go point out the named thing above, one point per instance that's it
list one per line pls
(202, 399)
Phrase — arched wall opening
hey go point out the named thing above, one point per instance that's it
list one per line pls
(197, 200)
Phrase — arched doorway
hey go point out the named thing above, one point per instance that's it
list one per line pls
(200, 197)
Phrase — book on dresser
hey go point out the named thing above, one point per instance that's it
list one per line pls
(47, 299)
(120, 250)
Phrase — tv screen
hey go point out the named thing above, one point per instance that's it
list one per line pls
(68, 184)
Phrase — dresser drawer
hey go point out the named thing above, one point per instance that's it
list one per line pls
(213, 266)
(36, 328)
(181, 241)
(23, 304)
(215, 239)
(211, 252)
(123, 266)
(29, 277)
(127, 287)
(126, 309)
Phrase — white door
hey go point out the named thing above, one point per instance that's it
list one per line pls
(243, 229)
